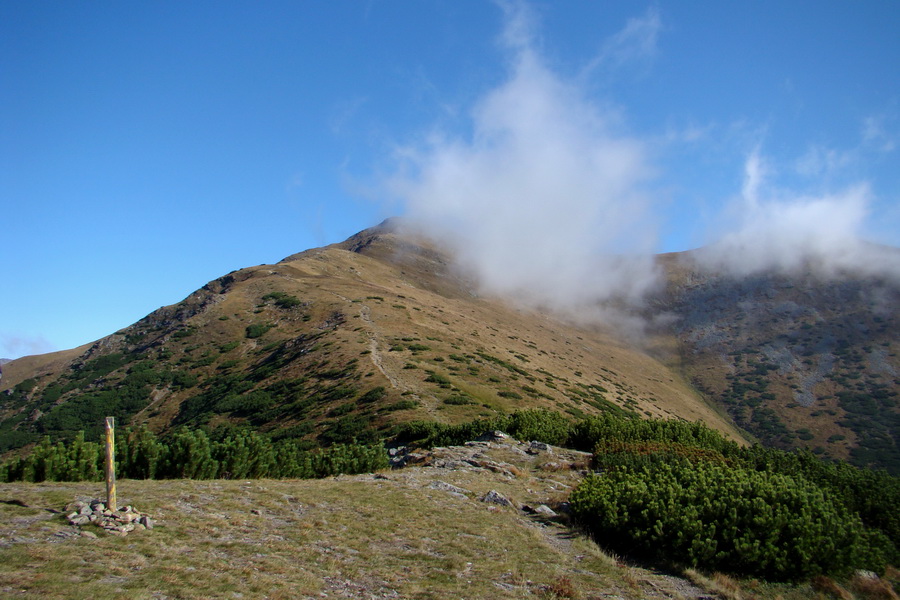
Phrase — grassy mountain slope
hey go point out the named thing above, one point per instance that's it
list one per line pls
(795, 360)
(335, 344)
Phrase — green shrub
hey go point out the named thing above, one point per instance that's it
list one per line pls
(707, 515)
(540, 425)
(229, 453)
(349, 429)
(283, 300)
(533, 424)
(256, 330)
(442, 380)
(402, 405)
(373, 395)
(341, 410)
(588, 432)
(229, 346)
(429, 434)
(458, 400)
(183, 333)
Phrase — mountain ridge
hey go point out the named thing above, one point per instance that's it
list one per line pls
(350, 339)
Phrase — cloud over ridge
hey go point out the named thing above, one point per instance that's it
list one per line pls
(548, 199)
(774, 230)
(544, 199)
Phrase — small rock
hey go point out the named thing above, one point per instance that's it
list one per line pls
(495, 497)
(255, 511)
(535, 447)
(545, 511)
(451, 464)
(146, 522)
(89, 534)
(863, 574)
(448, 487)
(492, 436)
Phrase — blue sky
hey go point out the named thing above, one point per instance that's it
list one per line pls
(147, 148)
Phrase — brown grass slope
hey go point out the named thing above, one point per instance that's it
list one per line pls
(383, 314)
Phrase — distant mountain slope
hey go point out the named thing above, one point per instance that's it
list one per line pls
(796, 360)
(336, 344)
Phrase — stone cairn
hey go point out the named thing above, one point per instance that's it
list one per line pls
(115, 522)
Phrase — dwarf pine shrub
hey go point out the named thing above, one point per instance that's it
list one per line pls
(716, 517)
(192, 454)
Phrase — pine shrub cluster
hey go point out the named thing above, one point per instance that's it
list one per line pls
(680, 493)
(191, 454)
(532, 424)
(727, 519)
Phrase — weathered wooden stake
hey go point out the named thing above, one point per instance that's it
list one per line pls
(111, 463)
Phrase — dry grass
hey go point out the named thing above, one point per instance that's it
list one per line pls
(872, 588)
(562, 587)
(394, 535)
(828, 586)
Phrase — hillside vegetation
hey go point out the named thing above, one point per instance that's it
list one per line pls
(804, 361)
(673, 494)
(343, 343)
(337, 345)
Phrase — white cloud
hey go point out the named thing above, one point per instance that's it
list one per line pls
(541, 201)
(875, 138)
(637, 41)
(820, 161)
(546, 200)
(875, 134)
(755, 170)
(13, 345)
(772, 229)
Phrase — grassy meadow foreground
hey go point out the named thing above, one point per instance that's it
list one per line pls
(400, 534)
(423, 531)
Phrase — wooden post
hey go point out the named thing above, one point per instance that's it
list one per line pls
(111, 464)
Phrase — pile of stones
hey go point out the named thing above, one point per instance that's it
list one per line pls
(116, 522)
